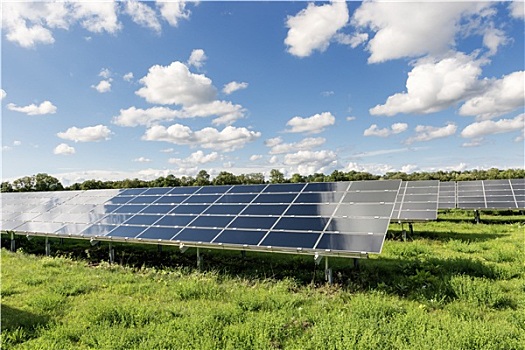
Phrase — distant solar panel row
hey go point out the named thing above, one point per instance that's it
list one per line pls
(483, 194)
(344, 217)
(416, 201)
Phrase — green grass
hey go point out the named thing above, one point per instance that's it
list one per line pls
(452, 285)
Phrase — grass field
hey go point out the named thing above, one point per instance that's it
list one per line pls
(453, 285)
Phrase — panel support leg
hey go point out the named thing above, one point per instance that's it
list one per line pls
(327, 272)
(159, 248)
(403, 232)
(411, 228)
(243, 254)
(48, 247)
(13, 242)
(476, 216)
(199, 259)
(356, 263)
(111, 254)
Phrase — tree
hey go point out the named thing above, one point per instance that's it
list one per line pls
(297, 178)
(226, 178)
(276, 177)
(38, 182)
(202, 178)
(6, 187)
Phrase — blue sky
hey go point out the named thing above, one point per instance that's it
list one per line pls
(114, 90)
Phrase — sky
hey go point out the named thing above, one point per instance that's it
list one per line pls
(115, 90)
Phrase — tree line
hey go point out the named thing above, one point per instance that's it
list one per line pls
(45, 182)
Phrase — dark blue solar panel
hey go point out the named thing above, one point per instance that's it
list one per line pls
(236, 198)
(205, 198)
(132, 192)
(291, 239)
(194, 209)
(253, 222)
(319, 197)
(326, 187)
(119, 200)
(184, 190)
(212, 221)
(144, 200)
(171, 199)
(196, 235)
(127, 231)
(275, 198)
(143, 220)
(214, 189)
(225, 209)
(115, 219)
(158, 209)
(311, 210)
(130, 209)
(164, 233)
(302, 223)
(284, 188)
(240, 237)
(98, 230)
(247, 189)
(157, 191)
(265, 209)
(175, 220)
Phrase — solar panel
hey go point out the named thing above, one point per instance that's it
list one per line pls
(344, 218)
(491, 194)
(416, 201)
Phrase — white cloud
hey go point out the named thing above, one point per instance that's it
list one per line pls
(273, 141)
(97, 17)
(427, 132)
(498, 97)
(128, 76)
(194, 159)
(313, 125)
(142, 160)
(3, 94)
(175, 84)
(197, 58)
(255, 157)
(64, 149)
(136, 116)
(309, 162)
(349, 119)
(228, 139)
(409, 168)
(227, 113)
(88, 134)
(45, 107)
(396, 128)
(493, 38)
(489, 127)
(173, 11)
(517, 9)
(142, 14)
(17, 143)
(273, 160)
(407, 29)
(434, 86)
(353, 40)
(305, 144)
(474, 142)
(103, 86)
(104, 73)
(372, 168)
(327, 93)
(167, 150)
(313, 27)
(233, 86)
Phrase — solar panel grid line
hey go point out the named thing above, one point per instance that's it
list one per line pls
(277, 221)
(240, 213)
(484, 194)
(328, 223)
(405, 183)
(513, 194)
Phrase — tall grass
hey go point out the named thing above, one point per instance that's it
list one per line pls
(453, 285)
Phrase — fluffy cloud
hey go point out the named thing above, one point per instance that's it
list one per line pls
(493, 38)
(105, 73)
(309, 162)
(88, 134)
(313, 27)
(172, 11)
(64, 149)
(128, 76)
(396, 128)
(489, 127)
(353, 40)
(97, 17)
(433, 86)
(427, 132)
(142, 14)
(142, 160)
(103, 86)
(3, 94)
(197, 58)
(278, 147)
(227, 113)
(228, 139)
(403, 29)
(255, 157)
(194, 159)
(175, 84)
(517, 9)
(136, 116)
(45, 107)
(497, 97)
(313, 125)
(233, 86)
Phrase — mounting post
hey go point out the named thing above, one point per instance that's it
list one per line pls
(159, 248)
(356, 263)
(243, 254)
(48, 247)
(327, 272)
(111, 253)
(411, 228)
(199, 259)
(403, 232)
(476, 216)
(13, 242)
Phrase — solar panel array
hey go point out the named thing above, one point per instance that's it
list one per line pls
(340, 218)
(483, 194)
(416, 201)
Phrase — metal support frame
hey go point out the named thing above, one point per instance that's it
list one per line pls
(327, 272)
(476, 216)
(48, 247)
(159, 248)
(13, 242)
(111, 253)
(403, 232)
(356, 263)
(411, 228)
(199, 258)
